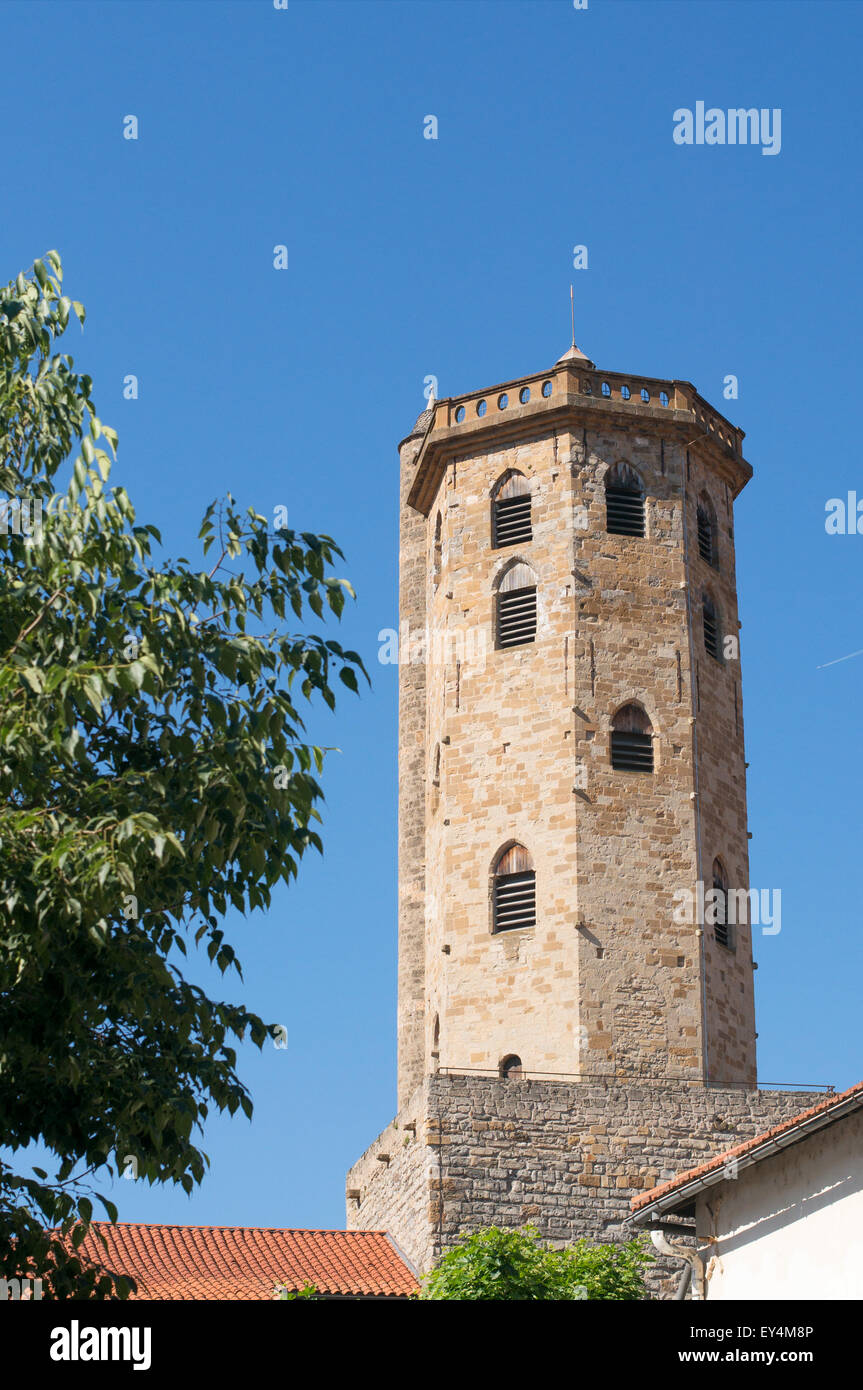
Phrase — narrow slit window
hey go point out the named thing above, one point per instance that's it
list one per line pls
(707, 531)
(631, 740)
(722, 933)
(624, 502)
(437, 553)
(514, 890)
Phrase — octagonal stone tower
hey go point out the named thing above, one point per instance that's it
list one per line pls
(573, 841)
(611, 481)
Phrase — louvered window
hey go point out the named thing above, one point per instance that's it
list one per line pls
(722, 928)
(705, 537)
(631, 752)
(516, 607)
(707, 532)
(516, 618)
(514, 890)
(631, 740)
(510, 512)
(624, 502)
(515, 901)
(722, 931)
(711, 629)
(512, 521)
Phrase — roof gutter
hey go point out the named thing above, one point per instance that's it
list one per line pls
(684, 1194)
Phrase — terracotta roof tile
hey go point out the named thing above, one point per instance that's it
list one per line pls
(247, 1262)
(645, 1199)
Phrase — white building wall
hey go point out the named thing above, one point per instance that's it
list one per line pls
(790, 1226)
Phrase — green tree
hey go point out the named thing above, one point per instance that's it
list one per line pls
(516, 1265)
(154, 772)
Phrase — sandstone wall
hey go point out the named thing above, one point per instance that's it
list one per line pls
(516, 747)
(390, 1188)
(413, 561)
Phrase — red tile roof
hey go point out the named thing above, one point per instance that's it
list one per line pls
(748, 1149)
(247, 1262)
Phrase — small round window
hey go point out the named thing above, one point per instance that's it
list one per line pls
(645, 394)
(524, 395)
(625, 392)
(459, 415)
(546, 388)
(606, 389)
(481, 407)
(663, 398)
(502, 401)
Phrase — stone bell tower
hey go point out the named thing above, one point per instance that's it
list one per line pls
(607, 501)
(573, 845)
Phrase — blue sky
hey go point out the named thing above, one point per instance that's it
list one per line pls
(409, 257)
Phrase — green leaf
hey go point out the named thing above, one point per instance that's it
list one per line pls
(34, 678)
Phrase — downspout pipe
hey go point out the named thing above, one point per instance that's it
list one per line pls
(695, 1264)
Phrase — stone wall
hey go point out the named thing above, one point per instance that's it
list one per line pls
(412, 782)
(390, 1187)
(721, 786)
(564, 1157)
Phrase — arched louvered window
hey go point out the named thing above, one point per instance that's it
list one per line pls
(516, 607)
(631, 740)
(712, 632)
(722, 927)
(510, 1067)
(514, 892)
(707, 532)
(624, 501)
(510, 511)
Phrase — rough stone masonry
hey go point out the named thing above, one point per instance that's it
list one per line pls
(627, 1034)
(566, 1157)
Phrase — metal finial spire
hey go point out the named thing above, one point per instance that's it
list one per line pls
(572, 313)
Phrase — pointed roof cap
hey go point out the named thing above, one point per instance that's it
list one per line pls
(575, 354)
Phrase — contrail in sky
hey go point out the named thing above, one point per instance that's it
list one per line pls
(838, 659)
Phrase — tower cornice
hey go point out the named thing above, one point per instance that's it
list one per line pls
(575, 398)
